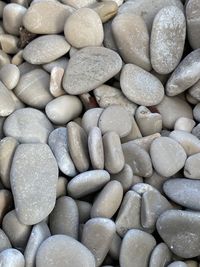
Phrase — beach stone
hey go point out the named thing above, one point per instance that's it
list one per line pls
(63, 109)
(138, 159)
(9, 75)
(196, 130)
(7, 105)
(77, 142)
(173, 108)
(191, 263)
(196, 112)
(136, 249)
(180, 231)
(87, 182)
(188, 141)
(28, 125)
(6, 203)
(184, 124)
(106, 95)
(167, 39)
(61, 189)
(12, 257)
(108, 121)
(115, 247)
(84, 28)
(17, 232)
(78, 3)
(97, 237)
(184, 192)
(156, 180)
(18, 58)
(61, 62)
(45, 49)
(39, 233)
(90, 118)
(33, 88)
(55, 87)
(105, 10)
(134, 134)
(194, 91)
(167, 155)
(185, 75)
(125, 177)
(102, 62)
(142, 188)
(4, 58)
(64, 219)
(109, 41)
(177, 264)
(34, 175)
(95, 148)
(36, 19)
(4, 241)
(108, 200)
(133, 47)
(160, 256)
(84, 209)
(9, 44)
(58, 142)
(192, 11)
(191, 168)
(63, 251)
(140, 86)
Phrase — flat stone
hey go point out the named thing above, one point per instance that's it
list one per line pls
(140, 86)
(105, 10)
(89, 68)
(125, 177)
(191, 168)
(45, 49)
(180, 231)
(7, 105)
(136, 249)
(61, 62)
(9, 75)
(58, 142)
(12, 257)
(87, 182)
(90, 118)
(9, 44)
(28, 125)
(177, 264)
(161, 256)
(63, 251)
(34, 175)
(78, 3)
(4, 241)
(168, 156)
(167, 39)
(84, 209)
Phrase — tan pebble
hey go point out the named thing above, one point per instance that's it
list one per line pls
(18, 58)
(55, 87)
(9, 75)
(105, 10)
(4, 58)
(9, 43)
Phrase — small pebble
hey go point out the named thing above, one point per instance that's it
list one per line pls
(55, 87)
(7, 105)
(78, 3)
(9, 43)
(177, 264)
(4, 241)
(125, 177)
(12, 257)
(6, 202)
(191, 168)
(105, 10)
(9, 75)
(160, 256)
(184, 124)
(90, 118)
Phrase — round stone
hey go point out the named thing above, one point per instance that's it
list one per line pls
(191, 168)
(4, 241)
(78, 3)
(168, 156)
(12, 257)
(90, 118)
(9, 75)
(177, 264)
(160, 256)
(184, 124)
(7, 104)
(63, 251)
(140, 86)
(125, 177)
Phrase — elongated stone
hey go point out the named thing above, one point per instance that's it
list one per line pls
(9, 75)
(7, 105)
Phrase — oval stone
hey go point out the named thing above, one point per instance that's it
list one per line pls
(89, 68)
(90, 118)
(9, 75)
(177, 264)
(4, 241)
(160, 256)
(12, 257)
(191, 168)
(33, 176)
(7, 104)
(140, 86)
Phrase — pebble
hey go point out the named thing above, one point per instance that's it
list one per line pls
(140, 86)
(33, 88)
(12, 257)
(184, 124)
(55, 87)
(45, 49)
(95, 148)
(77, 142)
(64, 219)
(177, 264)
(132, 39)
(134, 134)
(84, 209)
(109, 41)
(87, 182)
(184, 192)
(4, 58)
(9, 43)
(136, 249)
(58, 142)
(196, 112)
(194, 91)
(115, 247)
(84, 28)
(61, 189)
(33, 178)
(114, 158)
(97, 237)
(78, 3)
(7, 105)
(90, 118)
(145, 142)
(191, 168)
(18, 58)
(39, 233)
(125, 177)
(36, 19)
(62, 250)
(6, 201)
(156, 181)
(63, 109)
(161, 256)
(61, 62)
(28, 125)
(168, 156)
(4, 241)
(89, 68)
(167, 39)
(179, 230)
(105, 10)
(108, 121)
(9, 75)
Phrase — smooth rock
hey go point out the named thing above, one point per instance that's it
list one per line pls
(6, 203)
(7, 105)
(109, 41)
(56, 77)
(4, 58)
(145, 142)
(194, 91)
(4, 241)
(125, 177)
(142, 188)
(28, 125)
(184, 124)
(12, 258)
(89, 68)
(9, 44)
(90, 118)
(61, 62)
(84, 209)
(196, 131)
(191, 168)
(33, 177)
(18, 58)
(78, 3)
(196, 112)
(9, 75)
(134, 134)
(63, 251)
(177, 264)
(61, 189)
(157, 181)
(45, 49)
(140, 86)
(160, 256)
(105, 10)
(168, 156)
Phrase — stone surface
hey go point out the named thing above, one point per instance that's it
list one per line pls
(191, 168)
(161, 255)
(78, 3)
(177, 264)
(106, 9)
(90, 118)
(9, 75)
(4, 241)
(7, 105)
(12, 257)
(184, 124)
(6, 202)
(125, 177)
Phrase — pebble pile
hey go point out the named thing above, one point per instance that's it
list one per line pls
(100, 133)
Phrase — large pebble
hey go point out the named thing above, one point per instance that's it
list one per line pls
(4, 241)
(28, 125)
(168, 156)
(89, 68)
(36, 19)
(167, 39)
(63, 251)
(7, 104)
(132, 39)
(160, 256)
(191, 168)
(136, 249)
(12, 257)
(140, 86)
(45, 49)
(9, 75)
(180, 231)
(34, 175)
